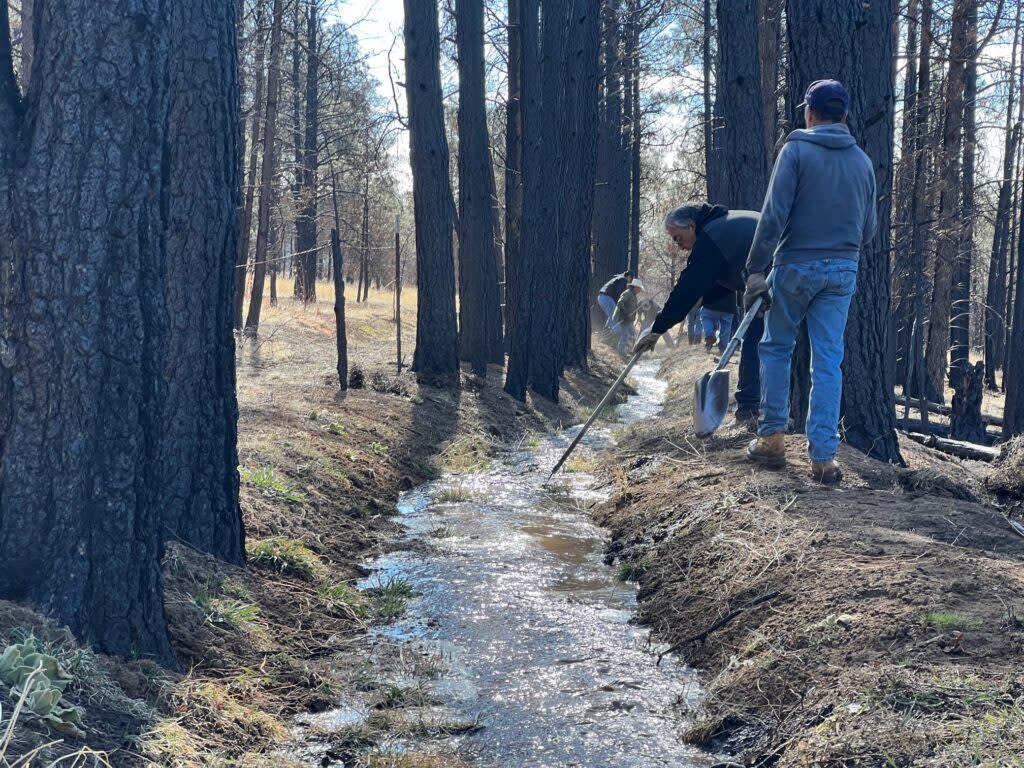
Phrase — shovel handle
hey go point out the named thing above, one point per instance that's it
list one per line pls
(740, 333)
(604, 401)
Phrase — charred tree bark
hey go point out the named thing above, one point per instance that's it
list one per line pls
(581, 161)
(855, 43)
(633, 130)
(79, 495)
(769, 13)
(903, 278)
(1014, 410)
(546, 285)
(995, 295)
(306, 216)
(267, 173)
(966, 422)
(198, 456)
(708, 67)
(937, 355)
(341, 335)
(103, 451)
(611, 194)
(479, 301)
(960, 308)
(436, 336)
(915, 376)
(513, 167)
(244, 241)
(517, 376)
(738, 164)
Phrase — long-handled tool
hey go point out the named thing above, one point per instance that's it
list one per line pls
(711, 392)
(604, 401)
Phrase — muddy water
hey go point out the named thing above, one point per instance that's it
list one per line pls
(533, 627)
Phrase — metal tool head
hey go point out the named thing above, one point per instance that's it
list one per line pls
(710, 402)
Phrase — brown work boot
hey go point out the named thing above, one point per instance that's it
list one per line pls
(826, 472)
(768, 451)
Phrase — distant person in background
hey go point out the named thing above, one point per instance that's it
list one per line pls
(717, 318)
(693, 326)
(624, 317)
(648, 311)
(609, 295)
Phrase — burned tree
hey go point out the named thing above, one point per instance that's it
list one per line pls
(90, 457)
(428, 148)
(855, 43)
(480, 336)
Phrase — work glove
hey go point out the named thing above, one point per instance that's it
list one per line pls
(647, 342)
(757, 288)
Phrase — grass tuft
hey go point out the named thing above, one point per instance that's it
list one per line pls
(948, 621)
(454, 494)
(270, 484)
(634, 571)
(286, 556)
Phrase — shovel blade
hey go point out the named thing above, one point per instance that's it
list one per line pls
(710, 402)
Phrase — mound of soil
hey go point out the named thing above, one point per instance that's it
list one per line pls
(870, 625)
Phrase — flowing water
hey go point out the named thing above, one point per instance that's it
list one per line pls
(512, 591)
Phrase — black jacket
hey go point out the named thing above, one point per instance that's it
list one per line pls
(615, 286)
(715, 266)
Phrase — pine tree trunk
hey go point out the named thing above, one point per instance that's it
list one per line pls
(306, 217)
(436, 335)
(611, 193)
(479, 310)
(738, 166)
(937, 355)
(581, 161)
(102, 449)
(769, 13)
(960, 309)
(708, 67)
(513, 167)
(267, 174)
(548, 259)
(517, 375)
(1013, 416)
(198, 457)
(995, 295)
(903, 278)
(855, 43)
(244, 241)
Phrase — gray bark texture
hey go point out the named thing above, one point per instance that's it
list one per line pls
(268, 173)
(436, 335)
(480, 335)
(738, 165)
(855, 43)
(946, 256)
(117, 406)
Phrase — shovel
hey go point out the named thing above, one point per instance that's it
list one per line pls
(711, 392)
(600, 406)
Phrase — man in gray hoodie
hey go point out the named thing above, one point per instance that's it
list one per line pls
(819, 212)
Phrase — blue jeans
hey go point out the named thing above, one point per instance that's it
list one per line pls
(607, 303)
(748, 389)
(819, 291)
(713, 318)
(626, 333)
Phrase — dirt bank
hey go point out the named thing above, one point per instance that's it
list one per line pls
(320, 478)
(878, 624)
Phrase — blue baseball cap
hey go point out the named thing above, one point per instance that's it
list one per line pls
(820, 92)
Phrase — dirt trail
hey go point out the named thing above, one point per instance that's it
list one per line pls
(887, 631)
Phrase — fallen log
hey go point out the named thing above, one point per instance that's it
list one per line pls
(957, 448)
(940, 429)
(945, 410)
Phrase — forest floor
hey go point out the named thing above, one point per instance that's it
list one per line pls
(876, 624)
(870, 625)
(320, 478)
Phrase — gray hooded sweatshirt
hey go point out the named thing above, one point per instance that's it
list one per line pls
(821, 201)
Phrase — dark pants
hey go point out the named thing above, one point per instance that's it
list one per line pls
(748, 389)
